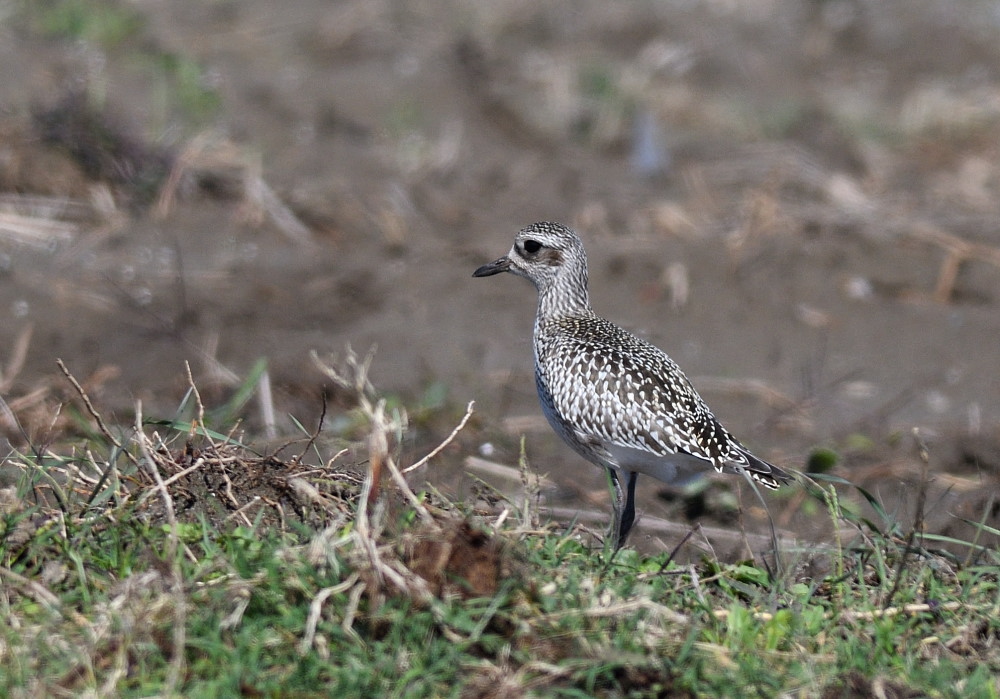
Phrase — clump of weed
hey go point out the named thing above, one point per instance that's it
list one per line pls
(104, 147)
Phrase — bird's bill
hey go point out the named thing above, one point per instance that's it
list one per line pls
(495, 267)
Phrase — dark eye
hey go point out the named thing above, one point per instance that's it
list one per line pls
(532, 246)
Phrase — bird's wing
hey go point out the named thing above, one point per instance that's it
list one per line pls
(639, 408)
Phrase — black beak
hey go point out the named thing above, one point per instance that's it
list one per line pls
(495, 267)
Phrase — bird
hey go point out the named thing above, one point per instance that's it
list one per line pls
(619, 401)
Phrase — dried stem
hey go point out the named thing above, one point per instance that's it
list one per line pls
(448, 440)
(176, 581)
(93, 412)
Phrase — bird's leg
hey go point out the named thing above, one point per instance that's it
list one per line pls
(628, 513)
(616, 506)
(623, 505)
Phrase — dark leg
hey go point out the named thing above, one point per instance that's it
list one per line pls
(624, 506)
(628, 512)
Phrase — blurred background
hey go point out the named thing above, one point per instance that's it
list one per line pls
(798, 200)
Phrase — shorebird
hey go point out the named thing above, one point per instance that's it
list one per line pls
(618, 401)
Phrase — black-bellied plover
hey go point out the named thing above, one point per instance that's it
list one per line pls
(620, 402)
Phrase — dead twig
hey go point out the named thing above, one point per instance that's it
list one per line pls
(36, 232)
(31, 588)
(957, 252)
(197, 401)
(654, 525)
(508, 473)
(207, 155)
(177, 662)
(918, 516)
(754, 388)
(316, 609)
(17, 357)
(448, 440)
(93, 412)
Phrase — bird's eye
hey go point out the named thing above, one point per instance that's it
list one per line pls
(532, 246)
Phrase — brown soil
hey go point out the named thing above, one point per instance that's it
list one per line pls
(815, 240)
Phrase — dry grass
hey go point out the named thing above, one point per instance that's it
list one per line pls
(172, 541)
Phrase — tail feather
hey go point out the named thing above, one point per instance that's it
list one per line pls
(767, 474)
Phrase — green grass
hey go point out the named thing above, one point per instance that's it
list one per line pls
(179, 87)
(104, 591)
(107, 24)
(569, 624)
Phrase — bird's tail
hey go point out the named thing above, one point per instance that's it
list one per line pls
(767, 474)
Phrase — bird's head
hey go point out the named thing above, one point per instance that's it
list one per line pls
(549, 255)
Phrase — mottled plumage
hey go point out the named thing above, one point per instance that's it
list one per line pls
(619, 401)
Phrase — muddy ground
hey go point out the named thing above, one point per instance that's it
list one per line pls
(798, 201)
